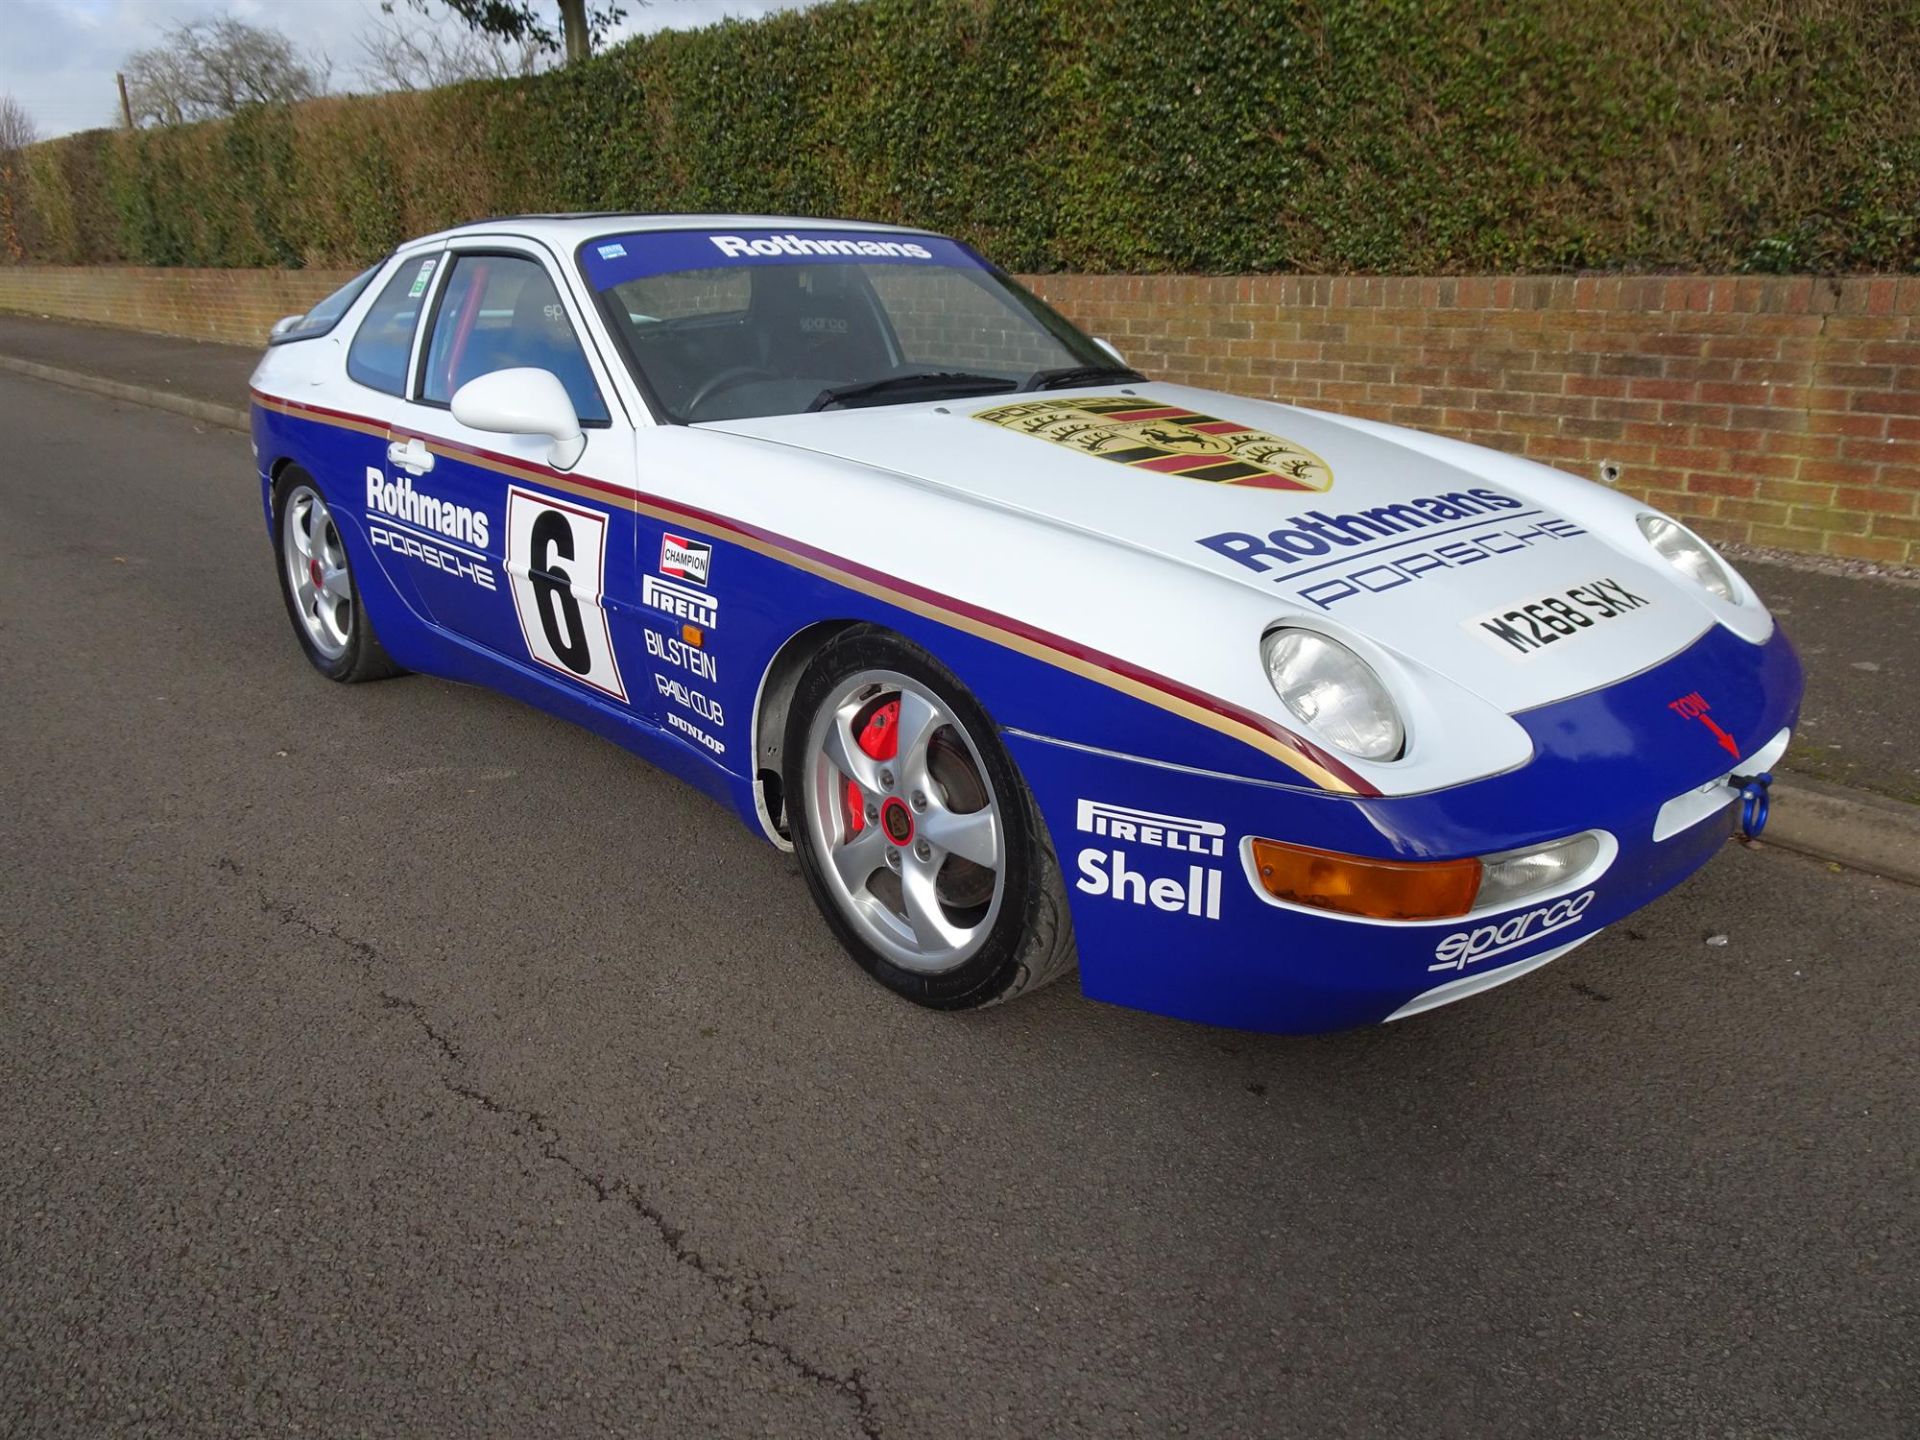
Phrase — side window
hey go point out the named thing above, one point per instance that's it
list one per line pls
(378, 355)
(500, 312)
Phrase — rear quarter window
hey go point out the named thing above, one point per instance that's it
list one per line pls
(324, 316)
(384, 342)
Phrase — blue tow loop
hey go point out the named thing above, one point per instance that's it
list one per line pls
(1754, 803)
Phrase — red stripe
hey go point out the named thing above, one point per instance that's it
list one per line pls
(1174, 464)
(1271, 482)
(1220, 427)
(721, 524)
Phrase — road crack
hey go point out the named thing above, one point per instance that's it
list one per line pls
(745, 1293)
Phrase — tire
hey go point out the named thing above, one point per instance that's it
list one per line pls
(918, 838)
(316, 582)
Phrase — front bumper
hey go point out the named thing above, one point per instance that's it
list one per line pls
(1168, 918)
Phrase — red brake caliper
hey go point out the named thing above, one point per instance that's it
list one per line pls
(878, 742)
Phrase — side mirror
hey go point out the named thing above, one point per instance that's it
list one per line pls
(283, 325)
(1107, 345)
(523, 402)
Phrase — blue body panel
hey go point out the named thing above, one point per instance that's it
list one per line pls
(1205, 943)
(1605, 761)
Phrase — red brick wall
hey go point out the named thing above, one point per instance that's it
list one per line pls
(234, 306)
(1776, 411)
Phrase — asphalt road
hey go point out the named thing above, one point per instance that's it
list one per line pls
(397, 1060)
(1860, 642)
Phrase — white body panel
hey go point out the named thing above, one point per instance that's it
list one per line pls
(1107, 555)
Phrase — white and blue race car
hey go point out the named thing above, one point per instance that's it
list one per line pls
(1270, 718)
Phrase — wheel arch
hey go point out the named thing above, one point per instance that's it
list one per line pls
(771, 705)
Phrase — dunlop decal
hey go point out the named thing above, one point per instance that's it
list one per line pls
(1167, 439)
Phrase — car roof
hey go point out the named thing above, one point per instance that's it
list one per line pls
(571, 230)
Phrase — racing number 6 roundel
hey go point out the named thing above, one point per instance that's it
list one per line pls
(556, 568)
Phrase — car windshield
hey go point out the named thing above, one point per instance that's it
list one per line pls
(728, 325)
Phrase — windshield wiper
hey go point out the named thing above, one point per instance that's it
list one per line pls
(1079, 375)
(947, 382)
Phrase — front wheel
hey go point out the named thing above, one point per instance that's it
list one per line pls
(316, 581)
(919, 840)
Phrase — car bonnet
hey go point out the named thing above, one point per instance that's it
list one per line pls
(1456, 561)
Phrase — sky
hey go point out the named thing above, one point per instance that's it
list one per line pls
(58, 57)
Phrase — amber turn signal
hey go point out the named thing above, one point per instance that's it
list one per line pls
(1357, 885)
(693, 635)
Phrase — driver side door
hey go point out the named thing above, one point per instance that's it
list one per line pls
(525, 560)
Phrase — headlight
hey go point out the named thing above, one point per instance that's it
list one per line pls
(1334, 691)
(1508, 878)
(1688, 554)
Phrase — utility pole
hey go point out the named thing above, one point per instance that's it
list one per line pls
(126, 106)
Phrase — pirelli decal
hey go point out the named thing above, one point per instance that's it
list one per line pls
(1167, 439)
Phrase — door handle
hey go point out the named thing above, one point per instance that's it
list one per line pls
(410, 455)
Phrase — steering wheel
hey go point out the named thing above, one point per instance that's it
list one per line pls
(725, 380)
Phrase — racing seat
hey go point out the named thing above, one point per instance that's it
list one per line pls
(814, 334)
(541, 336)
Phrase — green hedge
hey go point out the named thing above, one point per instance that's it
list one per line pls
(1412, 136)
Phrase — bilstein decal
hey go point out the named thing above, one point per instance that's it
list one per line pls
(1168, 439)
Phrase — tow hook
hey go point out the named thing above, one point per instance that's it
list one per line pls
(1754, 802)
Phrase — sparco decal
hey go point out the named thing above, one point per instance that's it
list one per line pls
(556, 571)
(678, 652)
(684, 559)
(1525, 630)
(1468, 947)
(398, 500)
(689, 605)
(1170, 832)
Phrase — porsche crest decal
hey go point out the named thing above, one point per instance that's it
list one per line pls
(1167, 438)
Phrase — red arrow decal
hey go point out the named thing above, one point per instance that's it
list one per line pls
(1693, 706)
(1727, 742)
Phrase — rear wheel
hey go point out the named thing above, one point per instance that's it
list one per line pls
(919, 840)
(316, 581)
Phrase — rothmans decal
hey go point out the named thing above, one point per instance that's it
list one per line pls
(1168, 439)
